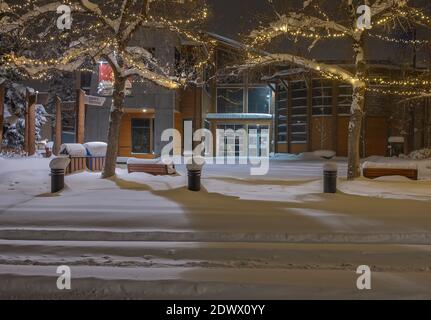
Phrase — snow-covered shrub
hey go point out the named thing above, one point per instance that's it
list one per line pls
(14, 135)
(420, 154)
(41, 115)
(15, 104)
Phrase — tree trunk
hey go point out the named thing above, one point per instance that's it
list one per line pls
(357, 109)
(116, 115)
(355, 125)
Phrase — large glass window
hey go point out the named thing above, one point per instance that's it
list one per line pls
(298, 116)
(259, 100)
(281, 113)
(345, 92)
(141, 142)
(230, 100)
(322, 97)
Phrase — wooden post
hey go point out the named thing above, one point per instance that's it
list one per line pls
(30, 125)
(334, 134)
(289, 113)
(2, 93)
(309, 83)
(80, 117)
(26, 120)
(58, 126)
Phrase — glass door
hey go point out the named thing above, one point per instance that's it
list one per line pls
(258, 141)
(141, 136)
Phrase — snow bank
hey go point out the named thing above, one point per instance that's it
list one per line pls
(326, 154)
(73, 149)
(420, 154)
(96, 149)
(423, 166)
(315, 155)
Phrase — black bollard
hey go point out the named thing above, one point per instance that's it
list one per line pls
(57, 180)
(58, 168)
(194, 180)
(194, 171)
(330, 178)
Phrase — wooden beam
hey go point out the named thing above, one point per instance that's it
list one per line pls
(58, 126)
(309, 82)
(2, 94)
(26, 121)
(31, 124)
(289, 113)
(335, 93)
(80, 116)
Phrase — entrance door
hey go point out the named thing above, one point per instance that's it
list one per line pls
(141, 137)
(229, 149)
(261, 143)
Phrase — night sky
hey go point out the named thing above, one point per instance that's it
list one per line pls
(235, 18)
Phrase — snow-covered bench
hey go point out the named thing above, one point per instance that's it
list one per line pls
(154, 167)
(373, 170)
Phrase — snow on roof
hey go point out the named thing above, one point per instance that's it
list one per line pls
(253, 116)
(396, 140)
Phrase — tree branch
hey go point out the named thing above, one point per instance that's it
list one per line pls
(302, 62)
(294, 22)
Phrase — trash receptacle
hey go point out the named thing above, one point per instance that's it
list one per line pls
(58, 167)
(330, 172)
(194, 172)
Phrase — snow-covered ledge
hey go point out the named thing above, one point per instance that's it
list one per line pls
(241, 116)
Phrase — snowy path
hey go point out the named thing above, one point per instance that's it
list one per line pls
(39, 282)
(212, 270)
(275, 236)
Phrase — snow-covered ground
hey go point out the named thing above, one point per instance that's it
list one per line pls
(272, 236)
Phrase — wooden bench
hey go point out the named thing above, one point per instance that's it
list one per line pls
(154, 169)
(373, 173)
(85, 163)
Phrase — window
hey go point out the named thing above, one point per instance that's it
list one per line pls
(86, 81)
(281, 113)
(298, 116)
(230, 100)
(141, 142)
(258, 145)
(344, 99)
(322, 97)
(106, 81)
(259, 100)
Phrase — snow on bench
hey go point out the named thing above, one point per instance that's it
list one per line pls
(373, 170)
(155, 167)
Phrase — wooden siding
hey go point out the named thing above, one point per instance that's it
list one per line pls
(342, 136)
(376, 136)
(322, 133)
